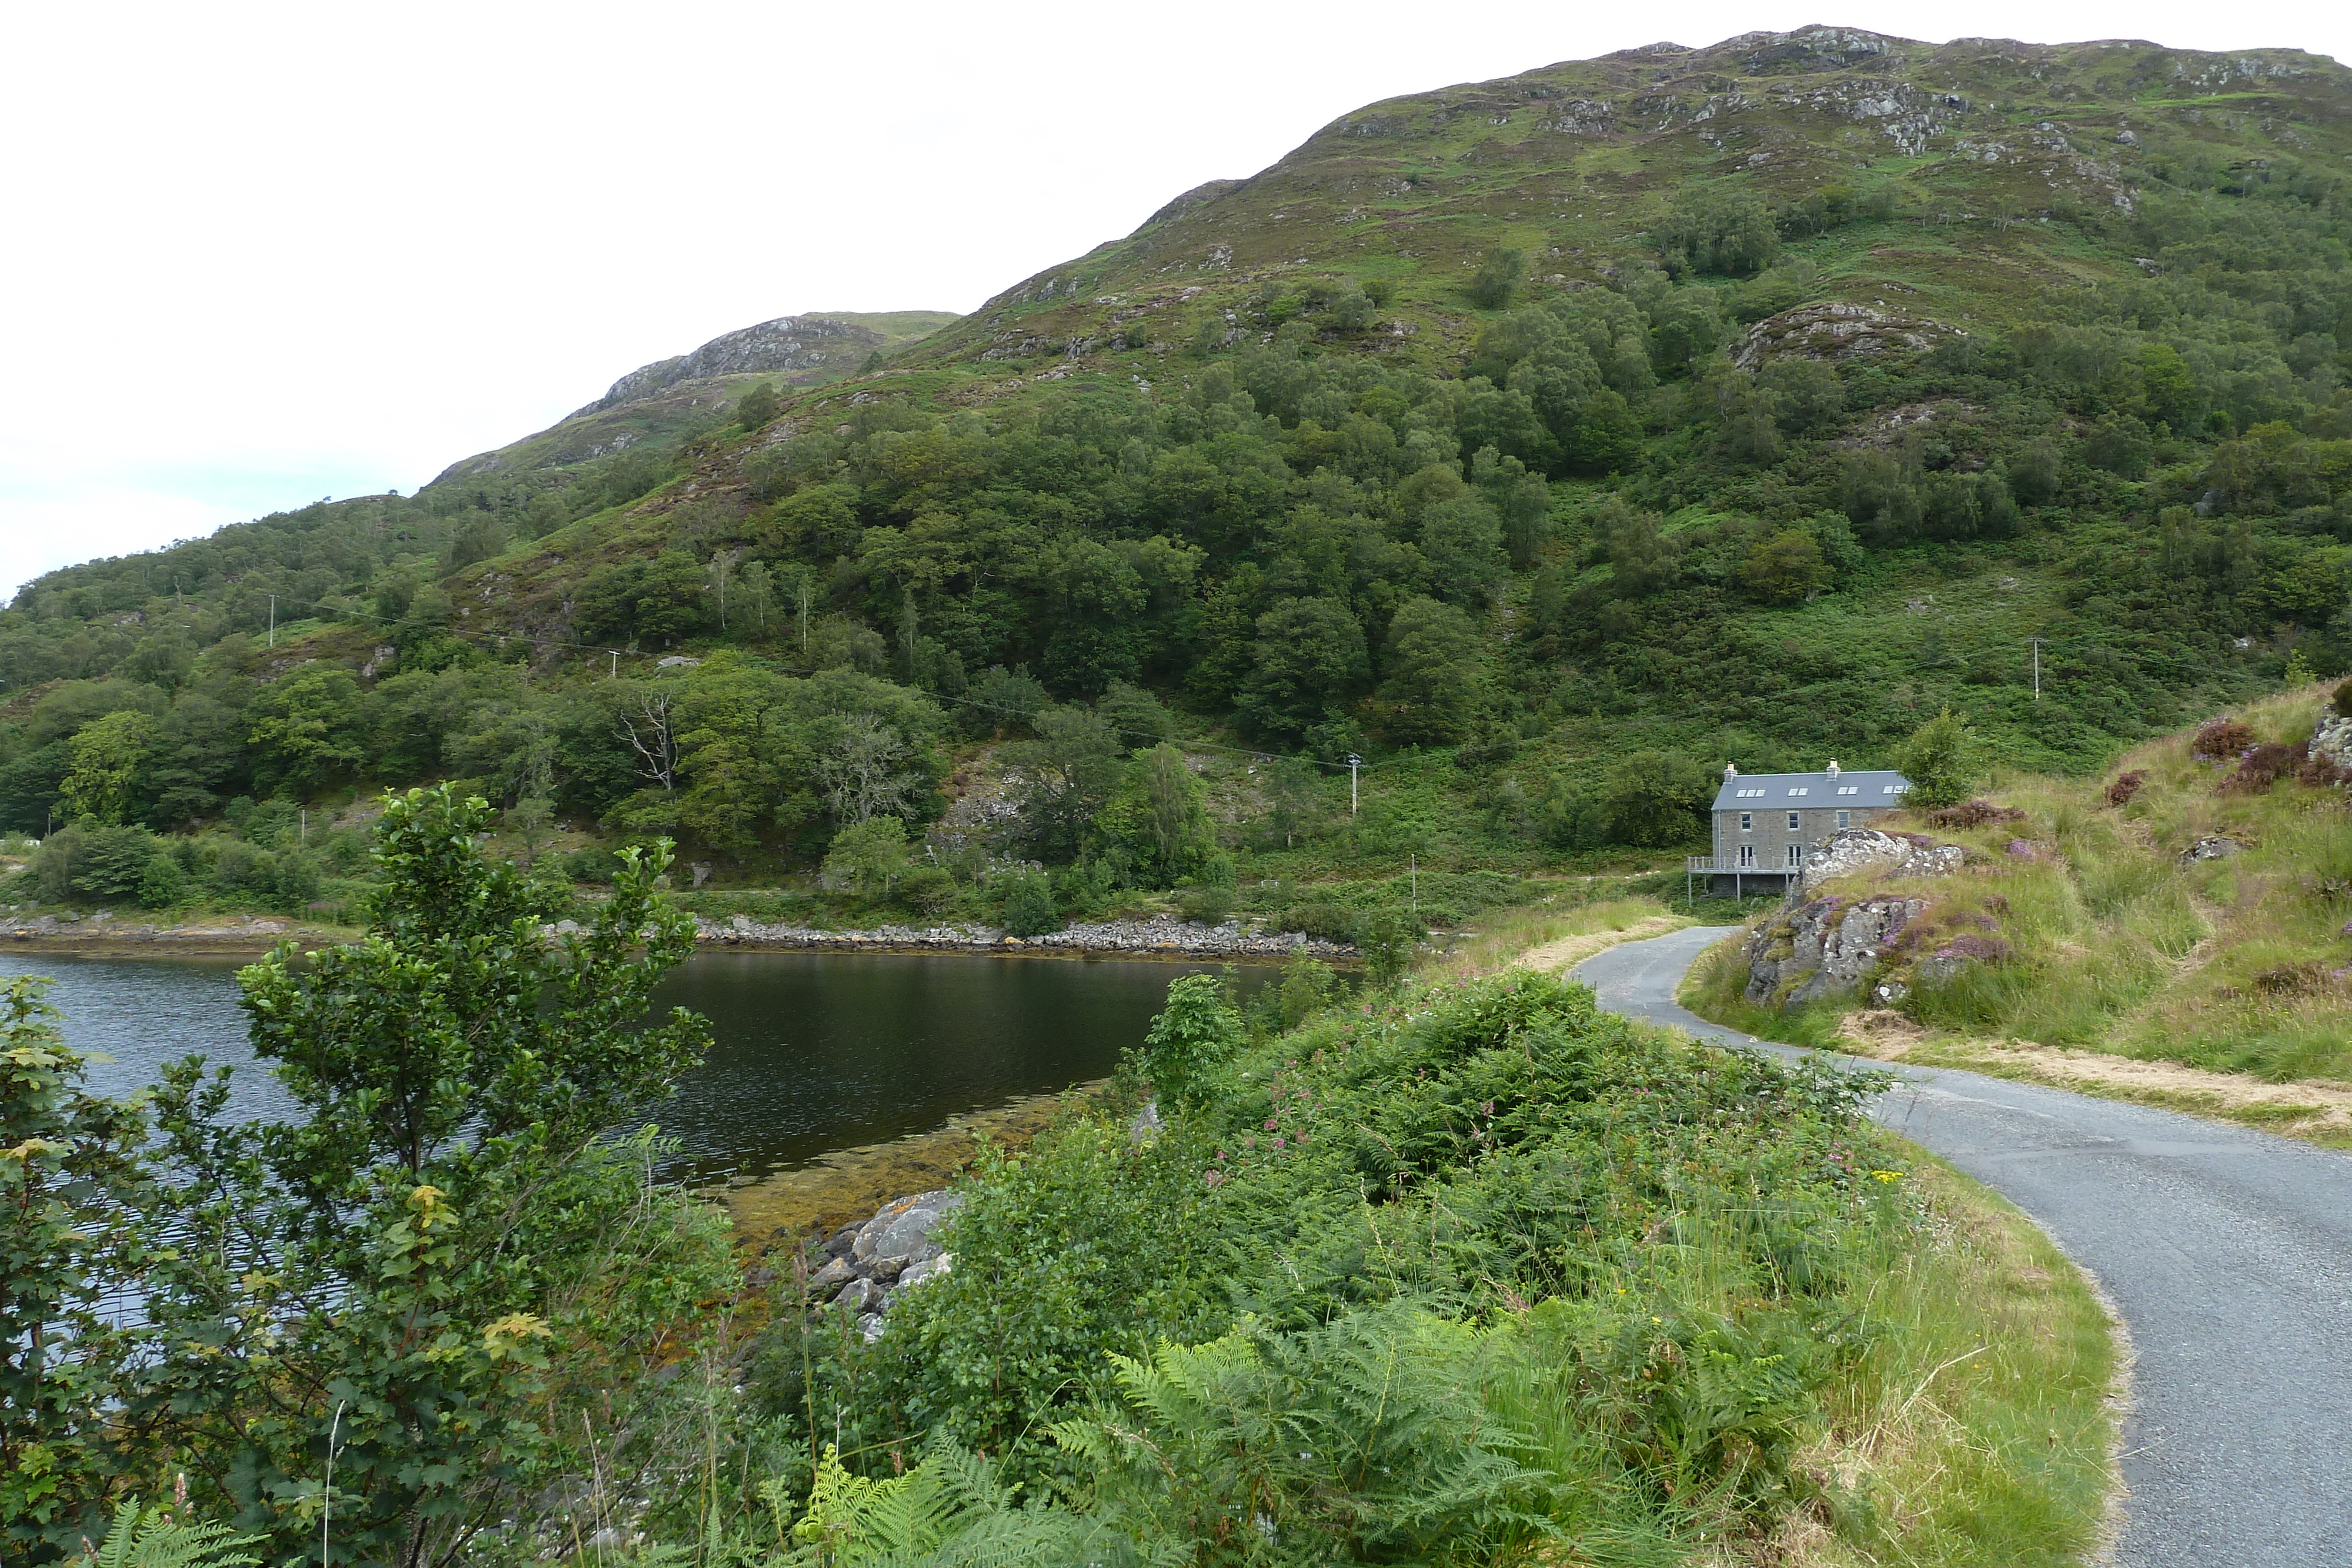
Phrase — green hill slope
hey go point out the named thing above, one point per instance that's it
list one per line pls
(1591, 428)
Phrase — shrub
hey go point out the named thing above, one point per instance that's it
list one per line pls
(1973, 814)
(2340, 699)
(2120, 792)
(2222, 738)
(1941, 760)
(1195, 1034)
(928, 889)
(590, 864)
(1207, 904)
(1320, 917)
(1029, 906)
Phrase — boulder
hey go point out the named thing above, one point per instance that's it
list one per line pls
(1851, 851)
(928, 1269)
(835, 1272)
(1824, 948)
(860, 1296)
(902, 1231)
(2213, 847)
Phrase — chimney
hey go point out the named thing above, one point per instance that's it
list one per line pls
(1833, 768)
(1730, 772)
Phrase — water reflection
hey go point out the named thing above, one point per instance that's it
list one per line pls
(812, 1051)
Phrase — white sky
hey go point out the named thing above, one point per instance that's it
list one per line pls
(256, 255)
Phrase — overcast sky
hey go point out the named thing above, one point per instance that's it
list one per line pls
(259, 255)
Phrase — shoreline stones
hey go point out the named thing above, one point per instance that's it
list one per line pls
(1164, 933)
(870, 1264)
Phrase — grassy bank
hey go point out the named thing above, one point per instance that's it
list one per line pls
(2171, 931)
(1473, 1273)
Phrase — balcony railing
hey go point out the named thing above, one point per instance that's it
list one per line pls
(1707, 865)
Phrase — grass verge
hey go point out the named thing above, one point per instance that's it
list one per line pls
(1981, 1427)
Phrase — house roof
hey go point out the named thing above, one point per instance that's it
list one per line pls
(1771, 791)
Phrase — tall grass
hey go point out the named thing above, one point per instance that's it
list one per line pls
(2101, 935)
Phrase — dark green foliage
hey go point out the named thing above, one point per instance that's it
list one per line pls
(757, 407)
(1657, 800)
(1941, 759)
(651, 602)
(1001, 699)
(1029, 906)
(1496, 280)
(1309, 659)
(1308, 1295)
(69, 1185)
(1718, 230)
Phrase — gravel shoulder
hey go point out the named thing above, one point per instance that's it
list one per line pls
(2227, 1252)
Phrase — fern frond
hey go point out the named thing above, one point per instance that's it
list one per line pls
(150, 1537)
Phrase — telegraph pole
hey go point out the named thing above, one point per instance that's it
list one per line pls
(273, 621)
(1354, 762)
(2037, 669)
(616, 663)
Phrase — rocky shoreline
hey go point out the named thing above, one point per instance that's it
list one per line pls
(862, 1267)
(1163, 937)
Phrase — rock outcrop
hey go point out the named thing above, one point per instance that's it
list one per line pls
(787, 343)
(1824, 948)
(862, 1269)
(1850, 852)
(1817, 945)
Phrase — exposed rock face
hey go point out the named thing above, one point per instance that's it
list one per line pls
(786, 343)
(2333, 738)
(1824, 948)
(1836, 330)
(1850, 851)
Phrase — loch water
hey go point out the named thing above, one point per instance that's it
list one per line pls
(812, 1052)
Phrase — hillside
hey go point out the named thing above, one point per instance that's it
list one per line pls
(2188, 906)
(1548, 441)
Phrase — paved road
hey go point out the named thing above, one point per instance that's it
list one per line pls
(2229, 1253)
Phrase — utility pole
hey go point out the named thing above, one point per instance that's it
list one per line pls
(616, 663)
(2037, 669)
(1413, 868)
(273, 621)
(1354, 762)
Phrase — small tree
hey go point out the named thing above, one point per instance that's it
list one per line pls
(1941, 759)
(532, 820)
(867, 858)
(757, 406)
(70, 1179)
(106, 754)
(1029, 906)
(1197, 1032)
(410, 1266)
(1497, 278)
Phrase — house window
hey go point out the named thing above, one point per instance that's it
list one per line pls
(1747, 821)
(1849, 788)
(1801, 790)
(1796, 856)
(1794, 822)
(1845, 818)
(1747, 854)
